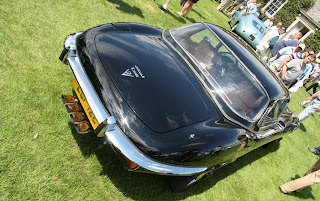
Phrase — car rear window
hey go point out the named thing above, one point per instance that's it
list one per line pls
(225, 74)
(258, 26)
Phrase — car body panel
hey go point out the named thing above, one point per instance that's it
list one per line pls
(248, 27)
(199, 143)
(160, 93)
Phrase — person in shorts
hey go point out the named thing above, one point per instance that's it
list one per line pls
(187, 8)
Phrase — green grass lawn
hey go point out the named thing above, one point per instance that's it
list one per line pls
(41, 156)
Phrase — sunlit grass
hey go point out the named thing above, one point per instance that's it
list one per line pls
(41, 157)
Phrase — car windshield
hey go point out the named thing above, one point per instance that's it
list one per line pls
(258, 26)
(223, 73)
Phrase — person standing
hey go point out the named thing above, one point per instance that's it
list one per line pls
(269, 22)
(286, 54)
(187, 8)
(315, 151)
(224, 3)
(164, 6)
(313, 107)
(265, 41)
(314, 77)
(253, 8)
(301, 78)
(262, 15)
(234, 6)
(296, 55)
(310, 178)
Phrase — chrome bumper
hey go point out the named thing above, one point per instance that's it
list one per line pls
(113, 132)
(122, 143)
(69, 54)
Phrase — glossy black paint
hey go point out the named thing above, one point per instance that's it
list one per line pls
(205, 137)
(150, 81)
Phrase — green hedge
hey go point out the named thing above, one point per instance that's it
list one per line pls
(290, 11)
(287, 15)
(313, 41)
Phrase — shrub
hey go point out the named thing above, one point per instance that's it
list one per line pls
(313, 41)
(289, 12)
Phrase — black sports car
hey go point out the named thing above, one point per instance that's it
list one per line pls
(179, 102)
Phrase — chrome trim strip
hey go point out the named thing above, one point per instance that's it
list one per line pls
(238, 59)
(113, 132)
(70, 41)
(203, 82)
(83, 80)
(121, 142)
(91, 96)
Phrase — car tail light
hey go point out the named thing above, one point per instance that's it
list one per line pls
(73, 107)
(68, 99)
(82, 127)
(127, 163)
(77, 115)
(131, 164)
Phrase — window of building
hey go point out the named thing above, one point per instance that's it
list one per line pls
(274, 6)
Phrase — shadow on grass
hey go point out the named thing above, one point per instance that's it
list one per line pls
(134, 185)
(302, 128)
(178, 18)
(126, 8)
(240, 163)
(139, 186)
(191, 20)
(199, 14)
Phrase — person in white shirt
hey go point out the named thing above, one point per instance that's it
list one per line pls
(265, 41)
(284, 53)
(253, 8)
(269, 22)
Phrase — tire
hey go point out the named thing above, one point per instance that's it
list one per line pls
(178, 184)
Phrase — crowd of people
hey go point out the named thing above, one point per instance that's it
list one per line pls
(289, 60)
(294, 65)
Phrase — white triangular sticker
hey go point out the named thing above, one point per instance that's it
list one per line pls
(127, 73)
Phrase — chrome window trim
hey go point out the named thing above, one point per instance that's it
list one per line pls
(238, 59)
(205, 84)
(122, 143)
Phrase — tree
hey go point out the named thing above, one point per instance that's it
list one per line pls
(313, 41)
(291, 9)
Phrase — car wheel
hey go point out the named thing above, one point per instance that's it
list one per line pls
(178, 184)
